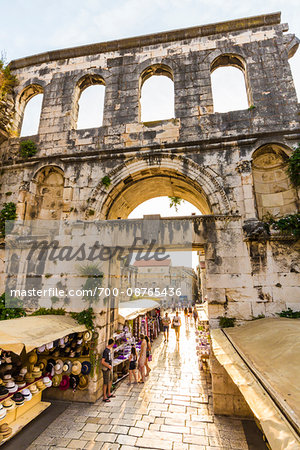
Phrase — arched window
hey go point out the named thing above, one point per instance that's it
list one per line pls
(274, 192)
(156, 94)
(48, 200)
(229, 84)
(89, 102)
(30, 106)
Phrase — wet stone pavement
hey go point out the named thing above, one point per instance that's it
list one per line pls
(172, 410)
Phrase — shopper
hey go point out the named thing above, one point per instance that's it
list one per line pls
(132, 365)
(166, 321)
(195, 315)
(107, 371)
(148, 356)
(142, 358)
(176, 325)
(186, 315)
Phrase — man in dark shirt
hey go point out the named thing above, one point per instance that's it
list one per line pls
(107, 371)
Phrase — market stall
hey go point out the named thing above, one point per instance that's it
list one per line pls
(135, 318)
(39, 354)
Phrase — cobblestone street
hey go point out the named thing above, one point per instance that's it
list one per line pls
(172, 410)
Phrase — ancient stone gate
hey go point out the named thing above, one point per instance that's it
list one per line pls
(232, 166)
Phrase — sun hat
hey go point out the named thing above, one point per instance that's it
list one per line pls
(18, 398)
(40, 385)
(33, 389)
(65, 383)
(49, 345)
(62, 342)
(29, 378)
(85, 367)
(26, 393)
(67, 367)
(5, 430)
(23, 371)
(7, 377)
(41, 349)
(76, 367)
(32, 358)
(74, 381)
(56, 380)
(36, 372)
(83, 382)
(87, 336)
(58, 366)
(9, 404)
(2, 411)
(21, 384)
(3, 392)
(47, 382)
(42, 364)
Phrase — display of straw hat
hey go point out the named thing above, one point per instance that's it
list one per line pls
(56, 380)
(29, 378)
(76, 368)
(26, 394)
(58, 366)
(3, 411)
(83, 382)
(18, 398)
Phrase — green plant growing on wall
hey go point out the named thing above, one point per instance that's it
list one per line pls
(106, 181)
(94, 279)
(293, 168)
(10, 308)
(175, 201)
(49, 311)
(227, 322)
(289, 224)
(54, 299)
(7, 213)
(290, 314)
(28, 148)
(85, 317)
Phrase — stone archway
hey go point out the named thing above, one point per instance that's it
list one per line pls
(140, 178)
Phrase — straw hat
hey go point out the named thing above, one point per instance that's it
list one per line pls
(5, 430)
(26, 394)
(40, 385)
(32, 358)
(49, 345)
(9, 404)
(3, 392)
(23, 371)
(2, 411)
(85, 367)
(33, 389)
(41, 349)
(65, 383)
(56, 380)
(7, 377)
(83, 382)
(18, 398)
(47, 382)
(87, 336)
(29, 378)
(58, 366)
(67, 367)
(74, 381)
(36, 372)
(42, 364)
(76, 368)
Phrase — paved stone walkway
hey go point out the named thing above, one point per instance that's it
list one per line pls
(172, 410)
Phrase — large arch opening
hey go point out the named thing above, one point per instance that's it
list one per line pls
(142, 186)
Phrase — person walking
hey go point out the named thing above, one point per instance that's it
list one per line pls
(166, 321)
(142, 358)
(186, 315)
(107, 371)
(148, 356)
(132, 365)
(195, 315)
(177, 324)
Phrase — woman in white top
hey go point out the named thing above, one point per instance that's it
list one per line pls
(177, 325)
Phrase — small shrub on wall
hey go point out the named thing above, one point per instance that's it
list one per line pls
(27, 148)
(294, 167)
(8, 212)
